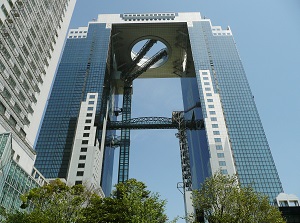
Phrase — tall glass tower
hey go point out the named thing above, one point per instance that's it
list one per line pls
(103, 60)
(236, 142)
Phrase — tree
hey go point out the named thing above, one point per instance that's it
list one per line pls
(54, 202)
(59, 203)
(222, 200)
(130, 202)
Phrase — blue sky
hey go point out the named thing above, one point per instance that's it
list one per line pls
(267, 34)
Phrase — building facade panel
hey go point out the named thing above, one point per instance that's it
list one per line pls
(251, 153)
(14, 179)
(32, 36)
(82, 70)
(212, 76)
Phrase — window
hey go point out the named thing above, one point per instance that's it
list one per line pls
(222, 163)
(92, 96)
(82, 157)
(219, 147)
(88, 121)
(4, 10)
(89, 114)
(208, 89)
(211, 106)
(224, 171)
(2, 108)
(12, 153)
(78, 182)
(215, 125)
(10, 3)
(210, 100)
(90, 108)
(205, 78)
(12, 121)
(79, 173)
(86, 134)
(91, 102)
(293, 203)
(220, 155)
(208, 94)
(204, 73)
(283, 204)
(87, 127)
(17, 158)
(217, 139)
(85, 141)
(216, 133)
(206, 83)
(81, 165)
(212, 112)
(83, 149)
(213, 118)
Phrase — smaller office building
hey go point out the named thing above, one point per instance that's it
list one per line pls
(289, 206)
(15, 179)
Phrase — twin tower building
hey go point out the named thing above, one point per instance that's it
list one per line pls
(221, 129)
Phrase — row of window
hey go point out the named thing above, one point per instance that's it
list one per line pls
(221, 34)
(79, 31)
(82, 157)
(79, 37)
(155, 14)
(12, 121)
(83, 149)
(148, 19)
(215, 126)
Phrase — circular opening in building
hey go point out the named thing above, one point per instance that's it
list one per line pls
(150, 51)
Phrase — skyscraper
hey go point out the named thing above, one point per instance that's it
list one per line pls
(32, 35)
(105, 58)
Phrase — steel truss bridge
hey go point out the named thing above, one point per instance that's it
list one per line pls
(176, 122)
(155, 123)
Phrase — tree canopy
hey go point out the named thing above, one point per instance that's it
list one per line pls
(54, 202)
(130, 202)
(59, 203)
(222, 200)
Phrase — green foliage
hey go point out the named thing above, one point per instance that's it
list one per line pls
(222, 200)
(59, 203)
(54, 202)
(130, 202)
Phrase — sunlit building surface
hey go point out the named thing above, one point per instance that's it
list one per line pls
(104, 58)
(32, 34)
(14, 180)
(31, 40)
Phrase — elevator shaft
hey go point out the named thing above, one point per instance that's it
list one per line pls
(125, 136)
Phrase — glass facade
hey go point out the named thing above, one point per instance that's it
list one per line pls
(233, 139)
(14, 181)
(82, 70)
(197, 142)
(217, 53)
